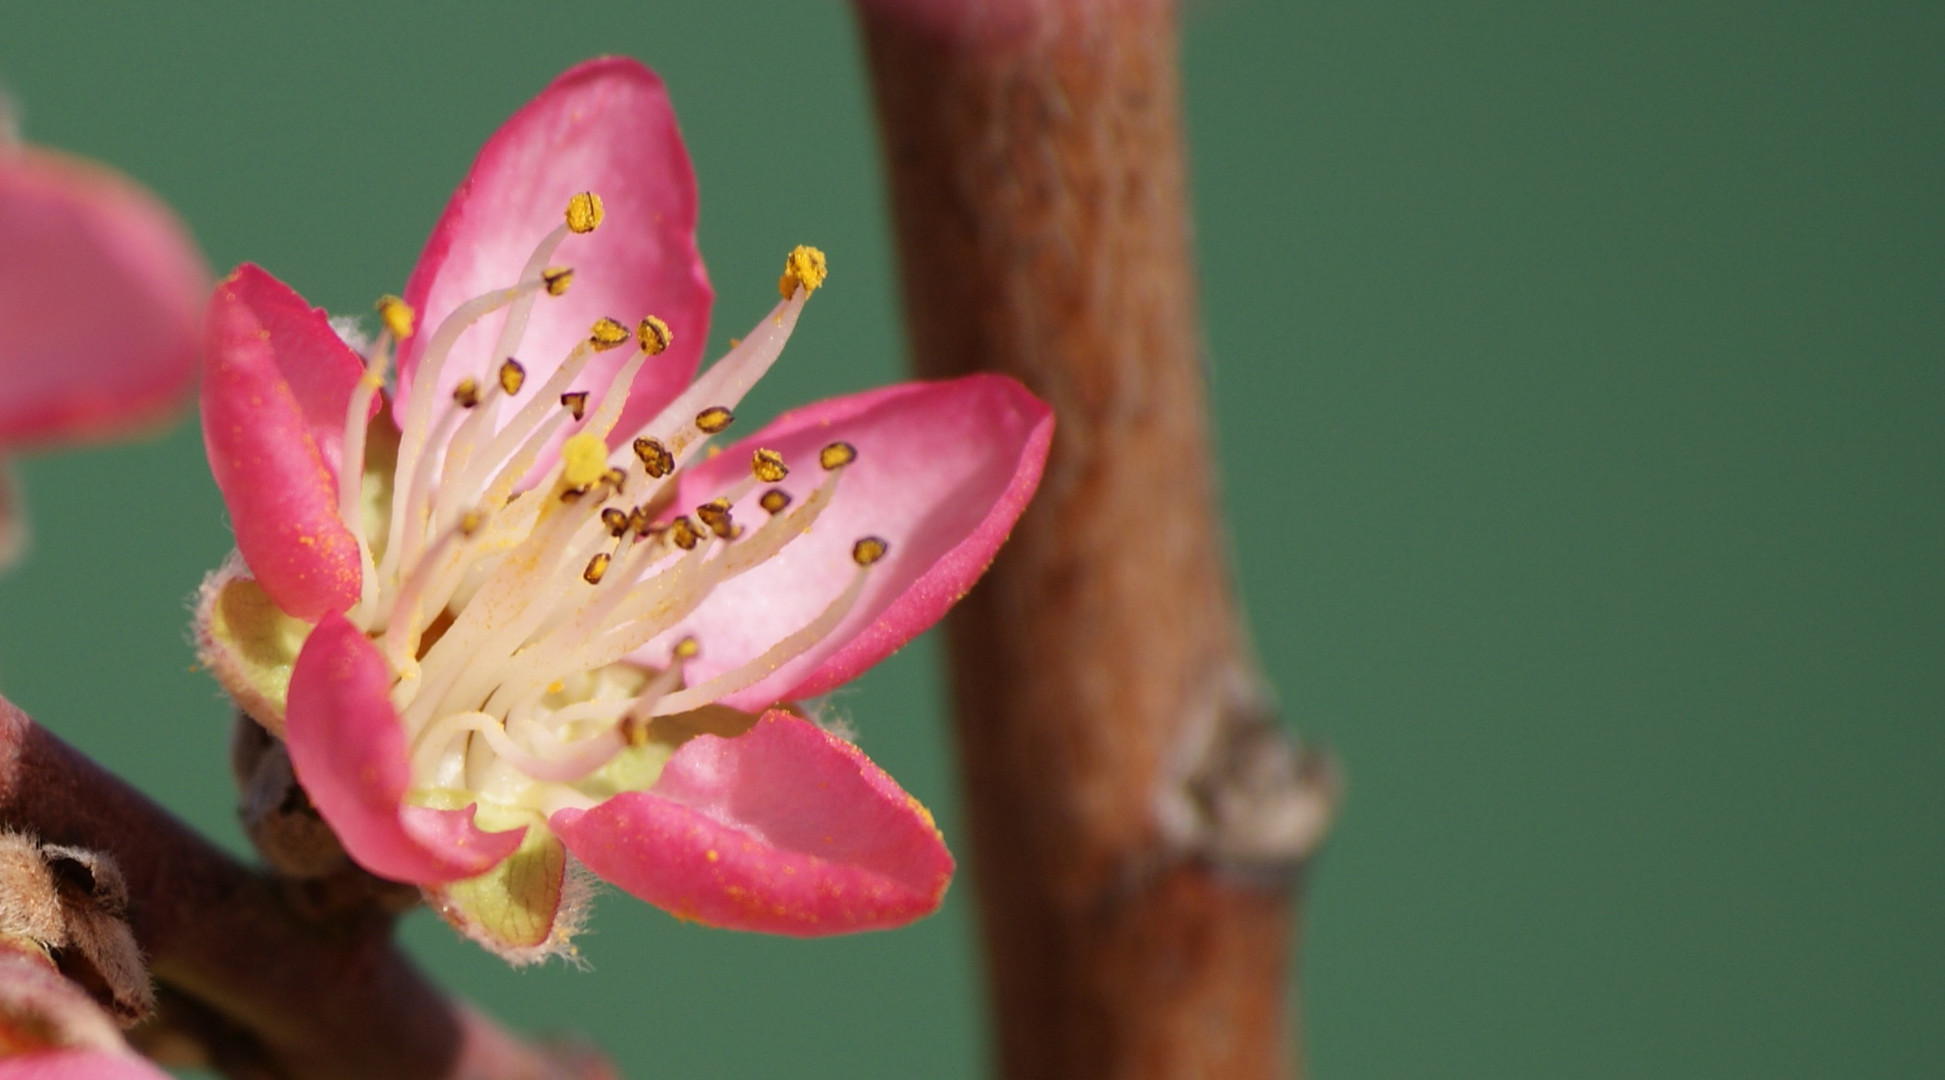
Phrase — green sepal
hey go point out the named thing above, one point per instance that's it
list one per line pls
(514, 909)
(248, 643)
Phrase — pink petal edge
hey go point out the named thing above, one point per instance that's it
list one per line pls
(943, 471)
(101, 294)
(350, 754)
(786, 829)
(77, 1065)
(276, 384)
(604, 126)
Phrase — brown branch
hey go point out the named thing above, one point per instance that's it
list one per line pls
(1137, 818)
(291, 997)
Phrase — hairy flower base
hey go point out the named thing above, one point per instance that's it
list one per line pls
(519, 617)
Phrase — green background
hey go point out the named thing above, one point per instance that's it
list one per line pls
(1578, 378)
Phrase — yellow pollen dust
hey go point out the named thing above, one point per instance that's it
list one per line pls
(607, 334)
(837, 455)
(804, 266)
(653, 335)
(583, 459)
(868, 550)
(768, 466)
(512, 376)
(557, 279)
(714, 419)
(584, 212)
(397, 315)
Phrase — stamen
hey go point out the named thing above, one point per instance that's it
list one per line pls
(656, 459)
(774, 500)
(584, 212)
(715, 514)
(557, 279)
(805, 269)
(513, 376)
(772, 658)
(583, 460)
(683, 532)
(616, 520)
(607, 334)
(837, 455)
(466, 393)
(653, 336)
(597, 567)
(768, 466)
(576, 402)
(869, 550)
(714, 419)
(397, 315)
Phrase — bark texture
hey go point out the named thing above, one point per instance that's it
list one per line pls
(1138, 819)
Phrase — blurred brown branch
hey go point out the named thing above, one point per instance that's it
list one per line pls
(1138, 819)
(246, 980)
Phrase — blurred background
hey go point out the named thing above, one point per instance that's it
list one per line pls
(1578, 379)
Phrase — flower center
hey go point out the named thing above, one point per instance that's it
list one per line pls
(508, 607)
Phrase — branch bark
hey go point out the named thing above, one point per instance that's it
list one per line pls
(274, 994)
(1138, 820)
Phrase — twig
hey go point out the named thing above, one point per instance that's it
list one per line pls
(302, 1000)
(1138, 820)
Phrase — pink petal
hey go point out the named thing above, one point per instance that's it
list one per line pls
(276, 385)
(943, 471)
(786, 829)
(78, 1065)
(101, 290)
(604, 126)
(349, 752)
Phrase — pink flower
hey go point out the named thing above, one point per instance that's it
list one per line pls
(77, 1065)
(519, 614)
(101, 291)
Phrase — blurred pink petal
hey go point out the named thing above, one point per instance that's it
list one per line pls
(101, 290)
(604, 126)
(943, 470)
(349, 752)
(276, 387)
(786, 829)
(77, 1065)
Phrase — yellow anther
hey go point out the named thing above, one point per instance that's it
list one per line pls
(576, 402)
(616, 479)
(557, 279)
(683, 532)
(583, 459)
(466, 393)
(868, 550)
(607, 334)
(715, 514)
(768, 466)
(656, 459)
(714, 419)
(616, 520)
(653, 335)
(633, 731)
(584, 212)
(686, 649)
(512, 376)
(837, 455)
(774, 500)
(639, 520)
(804, 267)
(397, 315)
(470, 522)
(597, 568)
